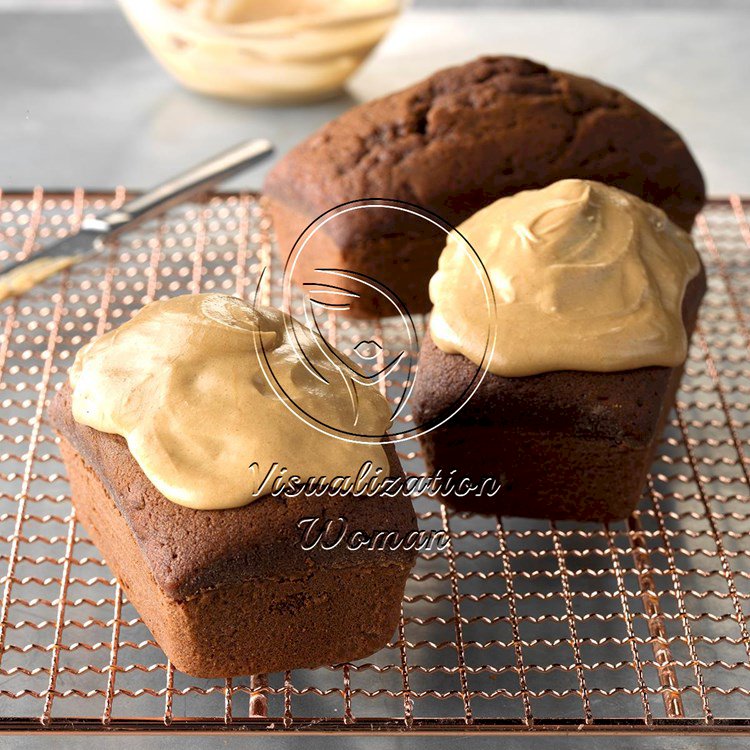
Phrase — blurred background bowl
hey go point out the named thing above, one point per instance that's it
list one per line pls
(265, 51)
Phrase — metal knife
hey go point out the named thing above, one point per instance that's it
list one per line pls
(89, 238)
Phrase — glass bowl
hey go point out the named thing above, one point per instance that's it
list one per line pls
(272, 51)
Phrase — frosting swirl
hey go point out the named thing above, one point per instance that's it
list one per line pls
(585, 277)
(202, 386)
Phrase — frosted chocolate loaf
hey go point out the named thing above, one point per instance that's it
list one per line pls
(453, 144)
(226, 587)
(231, 592)
(597, 296)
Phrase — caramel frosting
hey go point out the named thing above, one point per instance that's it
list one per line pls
(585, 277)
(210, 392)
(23, 278)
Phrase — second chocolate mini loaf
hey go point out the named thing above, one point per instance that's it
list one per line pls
(596, 295)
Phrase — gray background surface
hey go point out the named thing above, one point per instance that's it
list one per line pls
(83, 103)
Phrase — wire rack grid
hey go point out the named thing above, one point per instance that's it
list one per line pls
(517, 625)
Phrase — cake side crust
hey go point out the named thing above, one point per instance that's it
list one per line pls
(322, 616)
(622, 406)
(566, 445)
(192, 550)
(411, 259)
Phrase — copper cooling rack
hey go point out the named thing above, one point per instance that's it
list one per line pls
(518, 625)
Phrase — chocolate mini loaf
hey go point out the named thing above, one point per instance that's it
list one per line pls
(194, 465)
(564, 445)
(596, 295)
(232, 591)
(453, 144)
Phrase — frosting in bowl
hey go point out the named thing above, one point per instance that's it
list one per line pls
(585, 277)
(262, 50)
(204, 386)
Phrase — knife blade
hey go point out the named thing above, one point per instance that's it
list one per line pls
(18, 277)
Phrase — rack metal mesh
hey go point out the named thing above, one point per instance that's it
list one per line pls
(517, 625)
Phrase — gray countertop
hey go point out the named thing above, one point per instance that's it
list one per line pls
(83, 102)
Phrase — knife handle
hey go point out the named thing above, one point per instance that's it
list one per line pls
(179, 188)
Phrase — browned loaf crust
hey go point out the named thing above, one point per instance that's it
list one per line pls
(455, 143)
(232, 592)
(565, 445)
